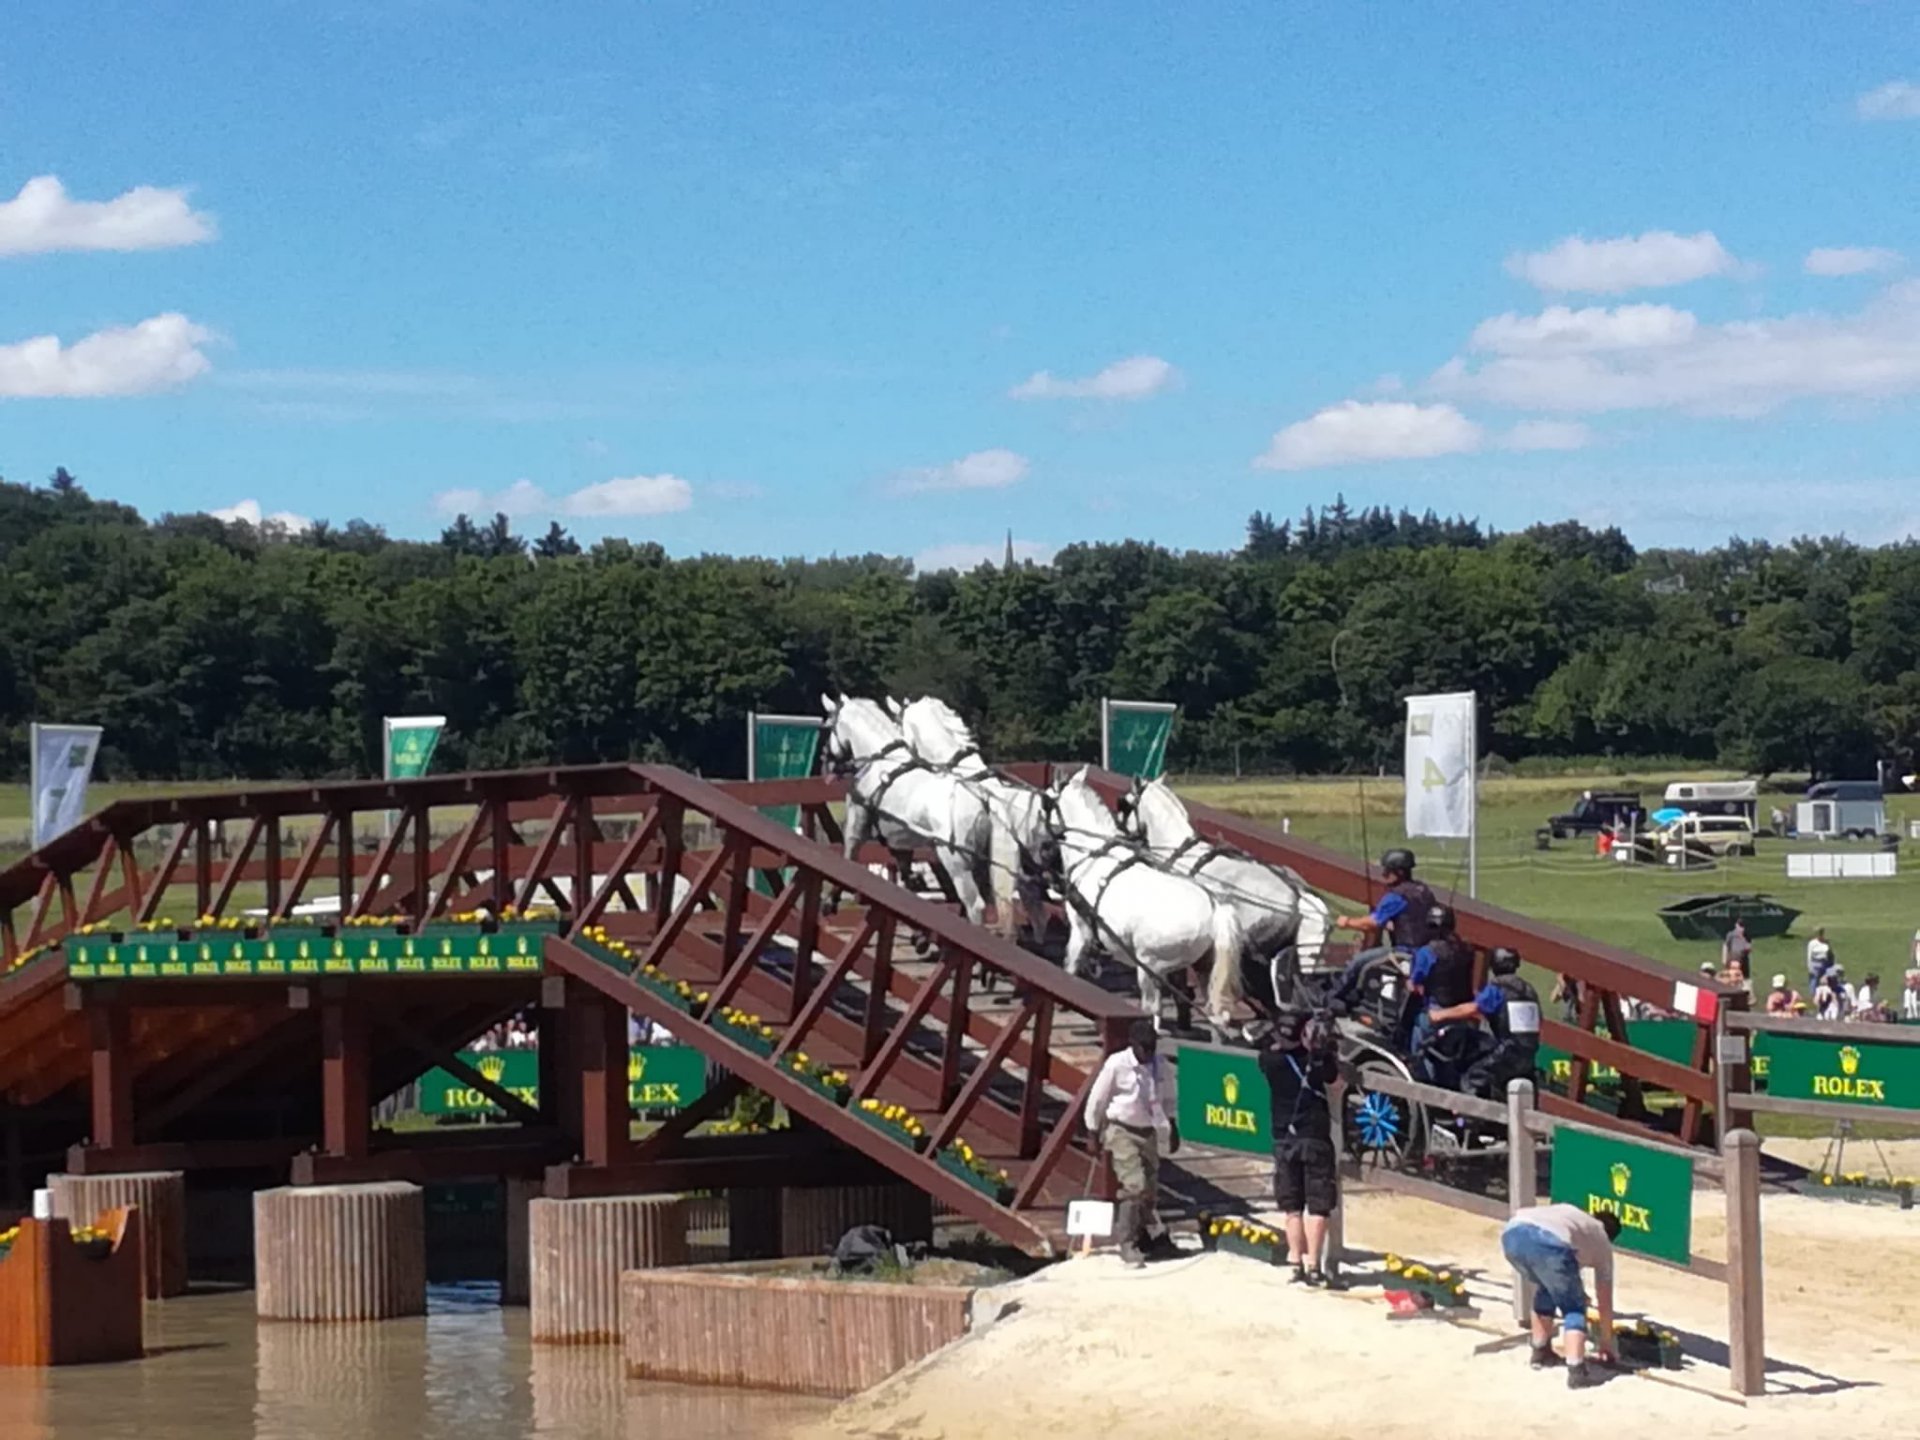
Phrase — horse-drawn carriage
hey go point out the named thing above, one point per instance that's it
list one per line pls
(1146, 888)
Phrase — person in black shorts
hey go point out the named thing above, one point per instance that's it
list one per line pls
(1298, 1071)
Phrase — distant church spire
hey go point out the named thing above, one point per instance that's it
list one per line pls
(1008, 565)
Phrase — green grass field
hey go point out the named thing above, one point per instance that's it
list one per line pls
(1870, 923)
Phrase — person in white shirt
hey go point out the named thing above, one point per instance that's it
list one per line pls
(1819, 956)
(1127, 1113)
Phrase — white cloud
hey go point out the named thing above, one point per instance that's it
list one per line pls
(630, 495)
(1744, 367)
(162, 353)
(247, 512)
(1138, 377)
(1895, 100)
(624, 497)
(1355, 432)
(1850, 260)
(1628, 262)
(982, 470)
(965, 555)
(43, 218)
(1547, 435)
(1557, 328)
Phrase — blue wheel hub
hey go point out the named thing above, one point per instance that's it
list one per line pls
(1377, 1119)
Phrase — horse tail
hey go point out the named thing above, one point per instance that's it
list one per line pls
(1229, 944)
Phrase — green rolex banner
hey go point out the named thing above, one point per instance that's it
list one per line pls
(1134, 735)
(659, 1077)
(1650, 1190)
(409, 742)
(781, 747)
(1224, 1100)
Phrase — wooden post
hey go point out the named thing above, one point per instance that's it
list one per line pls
(1337, 1221)
(347, 1109)
(1522, 1180)
(112, 1075)
(1746, 1308)
(600, 1040)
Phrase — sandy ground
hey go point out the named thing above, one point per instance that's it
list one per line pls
(1212, 1345)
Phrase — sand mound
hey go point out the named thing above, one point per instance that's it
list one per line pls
(1215, 1346)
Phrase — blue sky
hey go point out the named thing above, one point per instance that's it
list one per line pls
(813, 278)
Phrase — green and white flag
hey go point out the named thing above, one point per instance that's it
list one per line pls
(782, 747)
(60, 764)
(409, 742)
(1134, 735)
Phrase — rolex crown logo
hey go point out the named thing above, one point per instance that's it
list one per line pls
(1621, 1176)
(1230, 1087)
(493, 1066)
(1849, 1059)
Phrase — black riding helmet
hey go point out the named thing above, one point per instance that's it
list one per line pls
(1440, 920)
(1397, 861)
(1503, 961)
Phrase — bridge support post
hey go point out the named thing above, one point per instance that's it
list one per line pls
(346, 1106)
(577, 1249)
(600, 1051)
(515, 1282)
(111, 1075)
(340, 1252)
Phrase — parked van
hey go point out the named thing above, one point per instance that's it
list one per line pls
(1717, 835)
(1715, 797)
(1843, 810)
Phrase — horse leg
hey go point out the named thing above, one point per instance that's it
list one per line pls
(1076, 943)
(1150, 998)
(959, 868)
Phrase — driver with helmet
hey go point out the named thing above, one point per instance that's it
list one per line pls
(1400, 918)
(1511, 1008)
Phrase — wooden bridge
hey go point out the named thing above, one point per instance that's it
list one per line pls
(163, 1006)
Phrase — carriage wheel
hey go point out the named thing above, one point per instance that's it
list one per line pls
(1382, 1129)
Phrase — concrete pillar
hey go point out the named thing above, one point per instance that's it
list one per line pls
(162, 1198)
(576, 1251)
(812, 1221)
(514, 1281)
(340, 1252)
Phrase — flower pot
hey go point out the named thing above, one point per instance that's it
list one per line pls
(490, 925)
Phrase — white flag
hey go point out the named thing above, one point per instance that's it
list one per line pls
(62, 764)
(1441, 750)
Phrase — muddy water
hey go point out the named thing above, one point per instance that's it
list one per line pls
(465, 1372)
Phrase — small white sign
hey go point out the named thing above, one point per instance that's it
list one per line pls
(1732, 1050)
(1090, 1217)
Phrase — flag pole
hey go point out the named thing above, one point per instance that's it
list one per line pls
(1473, 801)
(33, 785)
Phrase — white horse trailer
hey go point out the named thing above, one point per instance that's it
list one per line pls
(1842, 810)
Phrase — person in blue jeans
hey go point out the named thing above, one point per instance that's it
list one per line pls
(1549, 1245)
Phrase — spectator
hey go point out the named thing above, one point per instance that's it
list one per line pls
(1566, 994)
(1736, 951)
(1866, 1000)
(1778, 818)
(1830, 996)
(1781, 1000)
(1910, 997)
(1819, 956)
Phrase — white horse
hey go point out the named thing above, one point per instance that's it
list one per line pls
(1274, 906)
(1158, 921)
(899, 799)
(1020, 835)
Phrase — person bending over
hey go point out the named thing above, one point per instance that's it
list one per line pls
(1549, 1245)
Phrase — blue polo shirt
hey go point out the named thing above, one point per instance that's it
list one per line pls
(1490, 999)
(1392, 905)
(1423, 962)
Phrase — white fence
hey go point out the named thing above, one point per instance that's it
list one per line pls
(1880, 865)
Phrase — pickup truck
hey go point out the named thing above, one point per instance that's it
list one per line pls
(1598, 810)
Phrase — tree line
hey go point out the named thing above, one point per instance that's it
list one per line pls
(212, 650)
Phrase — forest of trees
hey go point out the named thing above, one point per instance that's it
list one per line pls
(216, 650)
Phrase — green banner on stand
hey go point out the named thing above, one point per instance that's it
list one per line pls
(781, 747)
(1224, 1100)
(1134, 735)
